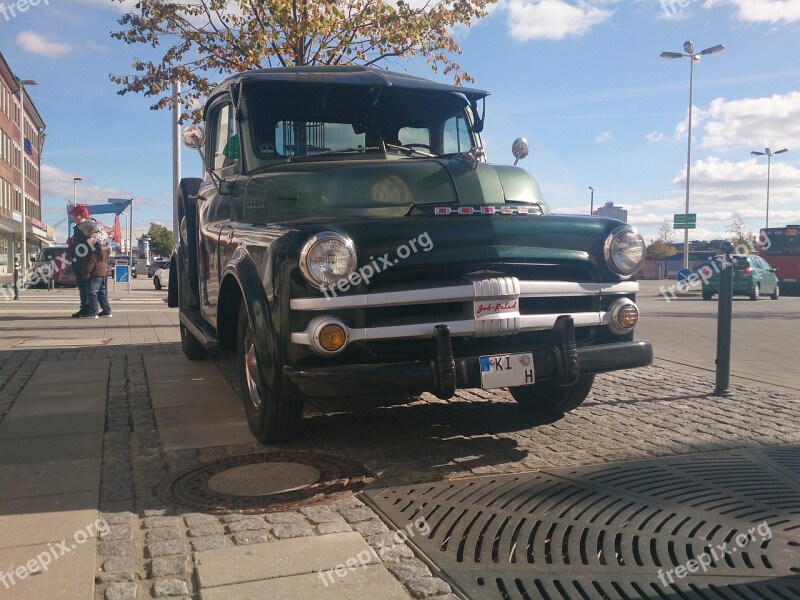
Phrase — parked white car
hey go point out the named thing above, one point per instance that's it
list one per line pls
(161, 278)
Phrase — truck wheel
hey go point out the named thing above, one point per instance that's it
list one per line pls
(545, 398)
(172, 286)
(188, 284)
(192, 349)
(707, 295)
(272, 416)
(756, 293)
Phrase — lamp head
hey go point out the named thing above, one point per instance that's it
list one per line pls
(688, 47)
(713, 49)
(671, 55)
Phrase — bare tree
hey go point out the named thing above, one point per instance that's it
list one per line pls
(743, 239)
(661, 247)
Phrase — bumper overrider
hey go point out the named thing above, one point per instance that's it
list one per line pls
(491, 309)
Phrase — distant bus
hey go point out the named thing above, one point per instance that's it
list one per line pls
(781, 248)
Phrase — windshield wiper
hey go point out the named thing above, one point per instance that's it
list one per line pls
(358, 150)
(410, 151)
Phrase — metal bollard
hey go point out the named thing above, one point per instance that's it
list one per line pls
(16, 277)
(724, 322)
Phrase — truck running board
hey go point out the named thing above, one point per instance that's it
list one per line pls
(201, 330)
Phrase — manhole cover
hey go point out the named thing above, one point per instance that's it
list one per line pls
(710, 526)
(263, 482)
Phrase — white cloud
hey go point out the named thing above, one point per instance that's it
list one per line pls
(605, 136)
(762, 11)
(32, 42)
(758, 122)
(655, 136)
(553, 19)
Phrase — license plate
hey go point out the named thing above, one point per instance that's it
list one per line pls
(506, 370)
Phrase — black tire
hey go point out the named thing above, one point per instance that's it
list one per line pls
(188, 282)
(157, 283)
(756, 293)
(777, 293)
(707, 295)
(172, 286)
(545, 398)
(272, 416)
(192, 348)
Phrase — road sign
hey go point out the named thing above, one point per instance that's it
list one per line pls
(683, 275)
(122, 273)
(685, 221)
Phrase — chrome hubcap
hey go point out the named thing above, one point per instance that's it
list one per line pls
(251, 370)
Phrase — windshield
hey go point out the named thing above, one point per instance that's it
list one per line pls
(48, 254)
(313, 120)
(784, 241)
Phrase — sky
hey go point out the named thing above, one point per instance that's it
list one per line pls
(580, 79)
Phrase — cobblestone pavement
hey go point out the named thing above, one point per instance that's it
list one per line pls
(150, 549)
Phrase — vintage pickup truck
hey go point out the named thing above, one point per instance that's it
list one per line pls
(349, 238)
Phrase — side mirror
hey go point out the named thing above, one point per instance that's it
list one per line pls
(519, 149)
(194, 136)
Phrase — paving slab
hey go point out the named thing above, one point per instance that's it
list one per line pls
(64, 372)
(191, 390)
(165, 366)
(93, 382)
(285, 558)
(45, 519)
(16, 426)
(49, 343)
(369, 581)
(58, 477)
(69, 577)
(224, 431)
(30, 451)
(57, 403)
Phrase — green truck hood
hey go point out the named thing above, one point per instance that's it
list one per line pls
(382, 188)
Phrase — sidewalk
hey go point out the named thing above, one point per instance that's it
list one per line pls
(108, 455)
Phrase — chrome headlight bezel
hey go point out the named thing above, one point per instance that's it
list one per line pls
(346, 245)
(612, 252)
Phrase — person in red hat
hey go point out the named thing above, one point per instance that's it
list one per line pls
(77, 252)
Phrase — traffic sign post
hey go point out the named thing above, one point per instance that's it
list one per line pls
(685, 221)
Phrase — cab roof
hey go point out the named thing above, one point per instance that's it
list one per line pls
(355, 75)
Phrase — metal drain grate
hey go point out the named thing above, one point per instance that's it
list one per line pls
(226, 485)
(615, 531)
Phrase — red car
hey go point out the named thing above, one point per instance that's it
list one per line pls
(52, 263)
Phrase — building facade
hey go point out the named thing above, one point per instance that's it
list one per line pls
(609, 210)
(17, 161)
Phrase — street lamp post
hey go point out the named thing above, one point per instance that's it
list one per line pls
(21, 83)
(688, 51)
(75, 181)
(769, 154)
(591, 201)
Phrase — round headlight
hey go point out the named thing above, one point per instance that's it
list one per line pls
(625, 251)
(327, 258)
